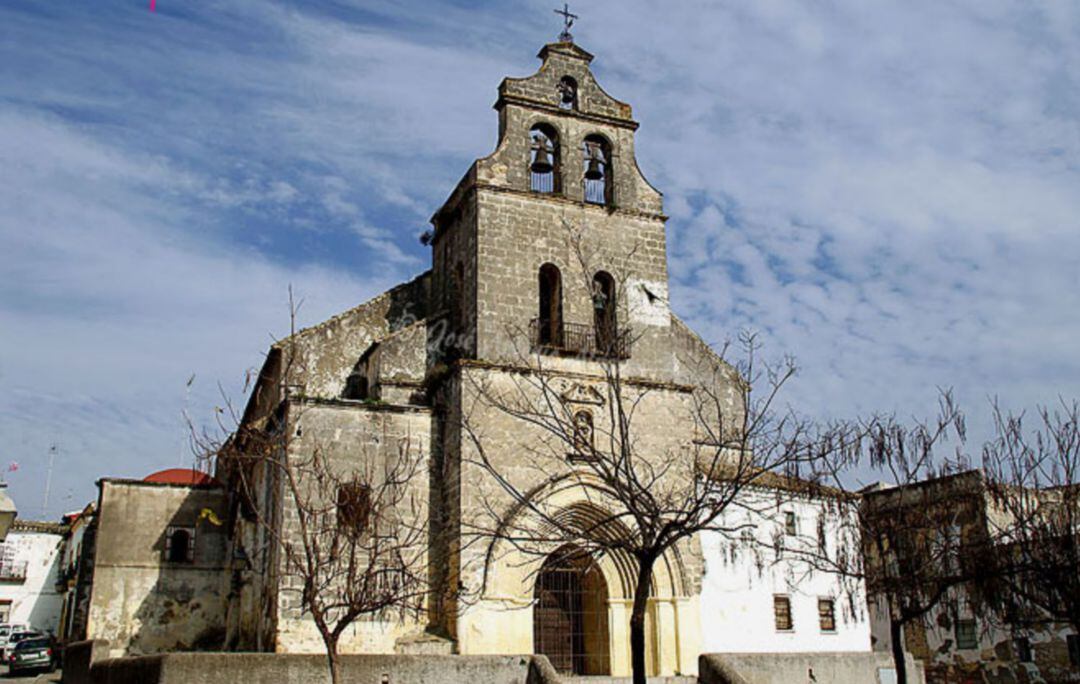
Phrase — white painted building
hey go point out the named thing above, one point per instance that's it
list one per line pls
(757, 595)
(29, 571)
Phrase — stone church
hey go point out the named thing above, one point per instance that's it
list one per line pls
(550, 251)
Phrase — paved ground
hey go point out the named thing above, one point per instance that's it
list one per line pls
(28, 679)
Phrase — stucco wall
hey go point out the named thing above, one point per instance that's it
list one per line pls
(139, 601)
(34, 599)
(744, 573)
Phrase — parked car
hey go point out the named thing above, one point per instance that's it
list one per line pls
(34, 653)
(6, 631)
(16, 637)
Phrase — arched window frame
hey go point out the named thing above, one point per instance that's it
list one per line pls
(600, 191)
(568, 93)
(179, 544)
(605, 313)
(544, 136)
(549, 322)
(584, 433)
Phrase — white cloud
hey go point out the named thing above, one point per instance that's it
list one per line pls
(886, 190)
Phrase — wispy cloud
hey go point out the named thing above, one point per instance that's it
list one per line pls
(887, 191)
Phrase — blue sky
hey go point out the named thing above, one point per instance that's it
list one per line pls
(888, 191)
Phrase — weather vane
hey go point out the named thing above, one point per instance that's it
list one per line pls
(568, 21)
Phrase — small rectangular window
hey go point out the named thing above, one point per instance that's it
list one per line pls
(826, 609)
(967, 636)
(179, 544)
(1023, 649)
(1074, 649)
(782, 613)
(790, 528)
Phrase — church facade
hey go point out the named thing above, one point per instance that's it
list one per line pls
(549, 257)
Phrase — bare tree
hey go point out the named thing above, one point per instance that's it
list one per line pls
(1032, 473)
(655, 494)
(346, 531)
(918, 530)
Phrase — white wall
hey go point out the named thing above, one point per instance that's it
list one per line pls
(743, 573)
(35, 599)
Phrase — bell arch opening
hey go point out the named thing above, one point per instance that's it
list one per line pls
(570, 613)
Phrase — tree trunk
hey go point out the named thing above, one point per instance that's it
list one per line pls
(332, 659)
(637, 618)
(896, 634)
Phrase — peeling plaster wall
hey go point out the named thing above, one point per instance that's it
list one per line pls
(141, 603)
(994, 658)
(34, 599)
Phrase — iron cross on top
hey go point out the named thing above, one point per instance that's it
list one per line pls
(568, 21)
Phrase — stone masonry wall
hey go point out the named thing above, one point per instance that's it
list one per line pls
(356, 438)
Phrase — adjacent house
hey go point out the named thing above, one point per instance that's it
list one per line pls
(973, 632)
(30, 562)
(154, 570)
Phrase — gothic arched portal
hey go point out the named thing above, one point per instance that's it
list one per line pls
(570, 616)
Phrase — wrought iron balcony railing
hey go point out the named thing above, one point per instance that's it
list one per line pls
(13, 572)
(576, 339)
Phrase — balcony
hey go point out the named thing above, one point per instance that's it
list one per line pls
(13, 572)
(576, 339)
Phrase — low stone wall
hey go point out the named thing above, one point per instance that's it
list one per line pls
(797, 668)
(79, 656)
(274, 668)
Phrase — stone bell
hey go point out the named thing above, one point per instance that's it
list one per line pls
(542, 161)
(593, 171)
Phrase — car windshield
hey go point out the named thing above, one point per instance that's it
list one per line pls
(32, 643)
(19, 636)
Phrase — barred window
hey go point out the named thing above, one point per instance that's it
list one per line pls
(826, 609)
(967, 636)
(782, 613)
(179, 544)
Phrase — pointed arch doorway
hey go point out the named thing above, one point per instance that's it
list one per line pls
(570, 614)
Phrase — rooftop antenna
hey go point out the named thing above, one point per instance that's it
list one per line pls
(568, 21)
(48, 479)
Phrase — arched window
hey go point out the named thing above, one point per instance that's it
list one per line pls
(544, 159)
(179, 545)
(598, 170)
(583, 433)
(603, 296)
(567, 93)
(549, 323)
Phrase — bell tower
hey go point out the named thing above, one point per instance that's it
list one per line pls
(555, 241)
(550, 255)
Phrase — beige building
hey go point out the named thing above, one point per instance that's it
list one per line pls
(153, 571)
